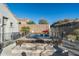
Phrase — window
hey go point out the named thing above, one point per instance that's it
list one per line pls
(11, 24)
(19, 22)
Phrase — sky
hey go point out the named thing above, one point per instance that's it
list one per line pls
(52, 12)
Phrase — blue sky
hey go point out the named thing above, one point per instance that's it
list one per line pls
(52, 12)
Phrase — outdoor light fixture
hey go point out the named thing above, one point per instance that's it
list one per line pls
(32, 31)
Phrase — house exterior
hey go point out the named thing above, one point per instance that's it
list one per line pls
(34, 28)
(22, 23)
(39, 28)
(11, 25)
(64, 28)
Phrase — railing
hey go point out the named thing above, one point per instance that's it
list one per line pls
(9, 38)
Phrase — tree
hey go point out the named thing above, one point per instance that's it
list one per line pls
(43, 21)
(25, 30)
(31, 22)
(76, 32)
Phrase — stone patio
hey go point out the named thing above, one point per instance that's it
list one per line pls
(31, 49)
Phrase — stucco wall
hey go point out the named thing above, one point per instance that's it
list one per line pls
(4, 11)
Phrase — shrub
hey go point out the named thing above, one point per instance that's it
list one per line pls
(71, 37)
